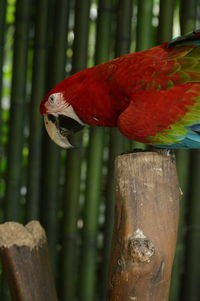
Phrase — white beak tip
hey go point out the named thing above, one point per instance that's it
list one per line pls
(55, 135)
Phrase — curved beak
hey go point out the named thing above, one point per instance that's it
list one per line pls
(60, 128)
(55, 132)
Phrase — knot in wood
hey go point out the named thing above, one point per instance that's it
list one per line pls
(140, 249)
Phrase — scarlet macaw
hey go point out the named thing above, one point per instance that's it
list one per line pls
(152, 96)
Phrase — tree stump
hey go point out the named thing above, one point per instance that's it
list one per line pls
(25, 257)
(145, 231)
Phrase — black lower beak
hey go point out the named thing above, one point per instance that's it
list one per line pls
(66, 125)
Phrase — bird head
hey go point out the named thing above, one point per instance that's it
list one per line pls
(60, 119)
(88, 97)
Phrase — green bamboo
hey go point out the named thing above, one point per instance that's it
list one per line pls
(91, 213)
(17, 112)
(188, 14)
(57, 35)
(190, 281)
(144, 35)
(104, 22)
(4, 289)
(69, 235)
(4, 292)
(144, 39)
(122, 45)
(183, 160)
(73, 166)
(94, 167)
(3, 4)
(187, 18)
(166, 16)
(2, 41)
(81, 30)
(38, 87)
(123, 32)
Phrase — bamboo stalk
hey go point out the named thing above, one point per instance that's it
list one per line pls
(144, 38)
(94, 165)
(2, 42)
(25, 256)
(144, 239)
(3, 4)
(36, 125)
(123, 30)
(187, 14)
(90, 219)
(165, 29)
(166, 16)
(122, 46)
(69, 236)
(73, 165)
(104, 22)
(144, 25)
(183, 161)
(81, 30)
(58, 29)
(16, 124)
(189, 285)
(190, 281)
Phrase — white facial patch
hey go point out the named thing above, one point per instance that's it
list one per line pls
(69, 112)
(57, 105)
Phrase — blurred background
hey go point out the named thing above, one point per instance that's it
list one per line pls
(71, 192)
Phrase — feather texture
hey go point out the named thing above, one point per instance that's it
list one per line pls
(152, 96)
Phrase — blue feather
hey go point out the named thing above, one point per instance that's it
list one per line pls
(187, 39)
(191, 140)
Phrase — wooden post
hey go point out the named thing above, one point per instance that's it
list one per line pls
(25, 257)
(145, 231)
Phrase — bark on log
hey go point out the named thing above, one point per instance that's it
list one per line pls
(145, 231)
(25, 256)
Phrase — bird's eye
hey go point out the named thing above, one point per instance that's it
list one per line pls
(52, 98)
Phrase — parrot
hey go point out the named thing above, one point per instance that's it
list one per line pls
(151, 96)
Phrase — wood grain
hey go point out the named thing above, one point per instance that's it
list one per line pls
(145, 231)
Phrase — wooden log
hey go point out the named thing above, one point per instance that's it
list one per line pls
(145, 231)
(25, 256)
